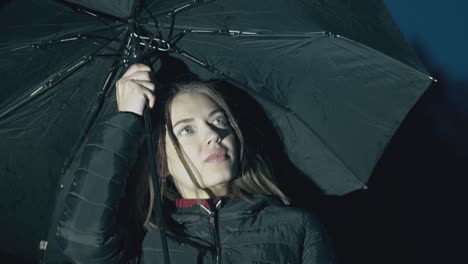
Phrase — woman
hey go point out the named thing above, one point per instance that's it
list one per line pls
(222, 202)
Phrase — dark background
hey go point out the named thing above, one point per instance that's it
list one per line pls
(441, 26)
(415, 208)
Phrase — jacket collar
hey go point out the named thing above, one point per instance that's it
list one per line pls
(226, 207)
(210, 204)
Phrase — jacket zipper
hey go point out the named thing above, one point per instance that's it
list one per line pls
(214, 225)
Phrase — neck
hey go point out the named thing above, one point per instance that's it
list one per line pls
(208, 193)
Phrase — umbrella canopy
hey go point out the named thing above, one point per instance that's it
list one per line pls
(336, 77)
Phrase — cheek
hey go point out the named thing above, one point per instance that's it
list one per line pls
(192, 156)
(192, 150)
(173, 161)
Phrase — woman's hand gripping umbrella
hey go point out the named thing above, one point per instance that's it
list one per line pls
(135, 90)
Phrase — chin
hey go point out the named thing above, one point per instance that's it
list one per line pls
(217, 179)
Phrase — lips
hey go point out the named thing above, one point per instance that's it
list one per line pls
(216, 156)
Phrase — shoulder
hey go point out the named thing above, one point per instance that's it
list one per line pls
(272, 208)
(301, 222)
(294, 215)
(314, 240)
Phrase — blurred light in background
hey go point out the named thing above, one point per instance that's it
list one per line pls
(440, 27)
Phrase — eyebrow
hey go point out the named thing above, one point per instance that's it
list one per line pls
(188, 120)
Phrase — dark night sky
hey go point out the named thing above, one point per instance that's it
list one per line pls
(441, 26)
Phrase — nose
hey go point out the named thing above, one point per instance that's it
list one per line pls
(212, 134)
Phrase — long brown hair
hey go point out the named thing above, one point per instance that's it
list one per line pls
(255, 170)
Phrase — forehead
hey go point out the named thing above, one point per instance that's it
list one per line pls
(191, 104)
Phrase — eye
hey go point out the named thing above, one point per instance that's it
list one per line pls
(220, 120)
(185, 131)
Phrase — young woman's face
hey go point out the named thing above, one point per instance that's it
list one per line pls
(208, 142)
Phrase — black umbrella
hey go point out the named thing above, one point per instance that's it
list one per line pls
(335, 76)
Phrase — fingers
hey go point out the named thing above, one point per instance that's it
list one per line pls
(146, 89)
(150, 97)
(136, 68)
(145, 84)
(141, 76)
(135, 89)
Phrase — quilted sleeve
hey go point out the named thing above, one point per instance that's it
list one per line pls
(87, 231)
(317, 247)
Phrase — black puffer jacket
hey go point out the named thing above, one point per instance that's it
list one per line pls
(262, 230)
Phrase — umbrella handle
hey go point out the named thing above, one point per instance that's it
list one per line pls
(136, 57)
(156, 187)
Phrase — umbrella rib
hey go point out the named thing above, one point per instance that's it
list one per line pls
(49, 83)
(384, 55)
(234, 32)
(157, 32)
(171, 30)
(90, 12)
(187, 6)
(186, 29)
(154, 19)
(52, 81)
(231, 32)
(218, 31)
(172, 15)
(169, 15)
(226, 31)
(272, 101)
(158, 29)
(57, 78)
(67, 38)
